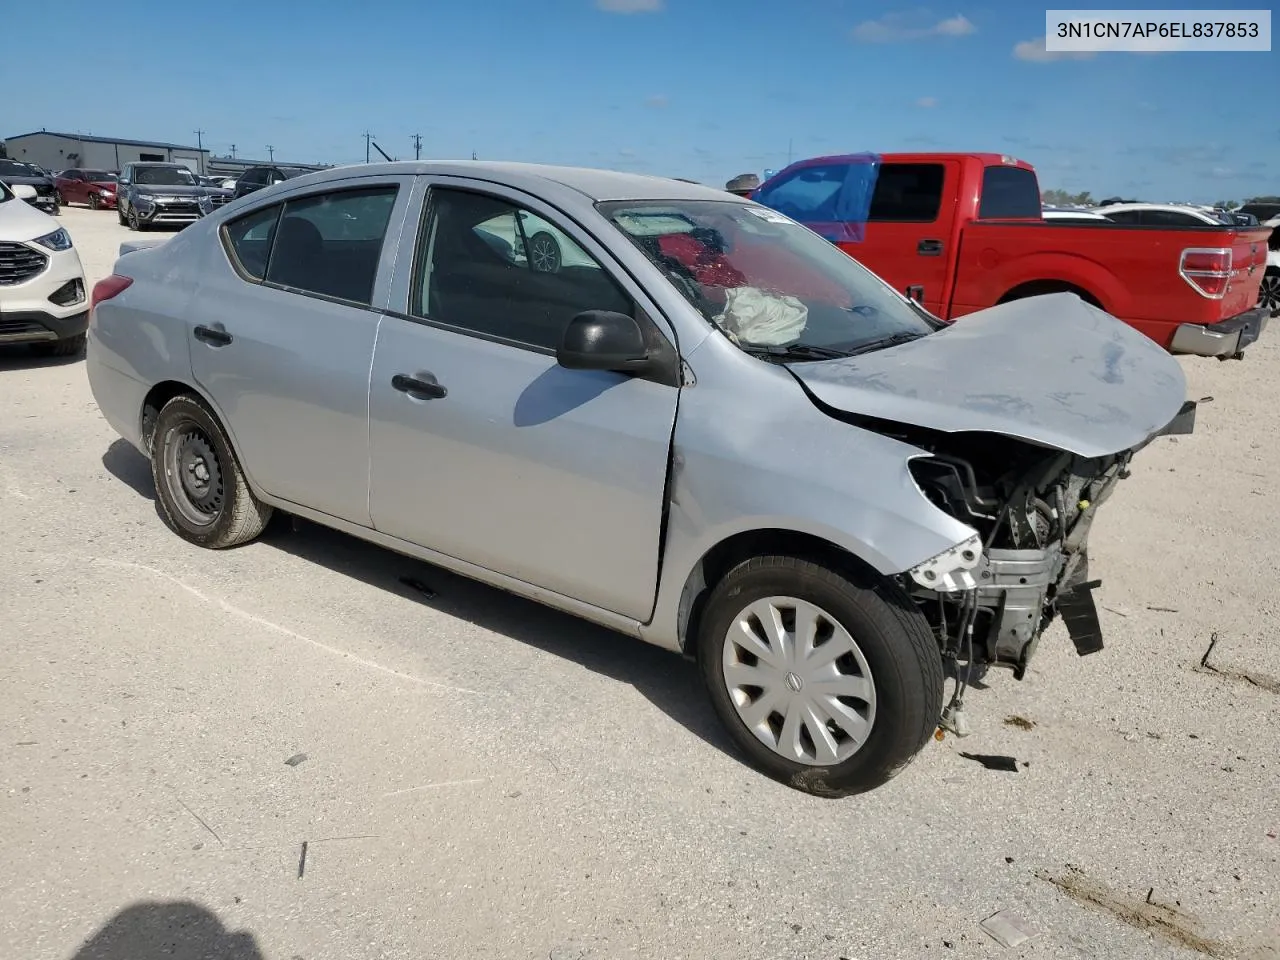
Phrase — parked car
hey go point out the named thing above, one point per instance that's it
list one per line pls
(961, 232)
(1268, 215)
(1164, 215)
(42, 285)
(708, 429)
(97, 188)
(15, 172)
(255, 178)
(155, 194)
(1071, 215)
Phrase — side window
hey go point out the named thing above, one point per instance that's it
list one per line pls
(250, 240)
(152, 157)
(1009, 193)
(810, 195)
(1169, 218)
(1123, 216)
(330, 243)
(908, 193)
(126, 175)
(489, 267)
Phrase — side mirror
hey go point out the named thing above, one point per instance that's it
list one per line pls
(24, 191)
(603, 340)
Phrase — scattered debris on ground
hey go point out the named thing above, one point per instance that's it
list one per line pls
(296, 759)
(993, 761)
(1022, 723)
(414, 584)
(1148, 914)
(1008, 929)
(1259, 680)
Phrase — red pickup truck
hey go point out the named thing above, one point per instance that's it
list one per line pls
(964, 231)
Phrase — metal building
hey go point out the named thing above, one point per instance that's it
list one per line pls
(62, 151)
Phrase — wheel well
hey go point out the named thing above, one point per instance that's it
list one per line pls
(157, 397)
(1036, 288)
(724, 556)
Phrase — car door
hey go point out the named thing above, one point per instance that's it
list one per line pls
(282, 335)
(71, 186)
(122, 190)
(482, 447)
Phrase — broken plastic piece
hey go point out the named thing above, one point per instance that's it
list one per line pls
(296, 759)
(950, 570)
(1008, 929)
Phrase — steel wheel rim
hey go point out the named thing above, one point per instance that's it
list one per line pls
(545, 254)
(1270, 294)
(193, 474)
(799, 681)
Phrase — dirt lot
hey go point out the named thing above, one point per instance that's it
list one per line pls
(485, 778)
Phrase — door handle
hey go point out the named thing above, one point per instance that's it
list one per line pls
(417, 387)
(212, 336)
(929, 248)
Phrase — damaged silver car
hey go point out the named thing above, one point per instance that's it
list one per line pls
(698, 423)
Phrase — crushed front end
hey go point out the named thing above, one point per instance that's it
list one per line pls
(991, 598)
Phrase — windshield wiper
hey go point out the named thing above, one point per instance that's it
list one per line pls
(880, 344)
(792, 351)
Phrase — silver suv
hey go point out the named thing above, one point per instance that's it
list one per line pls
(698, 423)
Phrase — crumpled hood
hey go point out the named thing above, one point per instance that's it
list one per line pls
(160, 190)
(1051, 370)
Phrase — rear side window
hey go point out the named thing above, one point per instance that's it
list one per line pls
(1009, 193)
(250, 239)
(1169, 218)
(330, 243)
(1123, 216)
(909, 193)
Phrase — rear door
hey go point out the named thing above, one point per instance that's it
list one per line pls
(283, 337)
(507, 460)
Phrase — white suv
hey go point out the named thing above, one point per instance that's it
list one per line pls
(43, 300)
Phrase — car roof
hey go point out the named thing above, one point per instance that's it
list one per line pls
(1171, 207)
(595, 185)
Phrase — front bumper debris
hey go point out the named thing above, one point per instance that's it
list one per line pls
(1225, 340)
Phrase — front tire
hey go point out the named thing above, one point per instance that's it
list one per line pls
(1269, 295)
(200, 487)
(828, 681)
(94, 201)
(134, 222)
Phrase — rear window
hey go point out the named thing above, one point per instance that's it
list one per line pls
(909, 193)
(1009, 193)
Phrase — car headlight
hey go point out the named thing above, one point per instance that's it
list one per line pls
(143, 200)
(58, 240)
(105, 192)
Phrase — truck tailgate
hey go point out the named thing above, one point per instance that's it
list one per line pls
(1248, 264)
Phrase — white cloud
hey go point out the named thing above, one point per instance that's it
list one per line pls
(1034, 51)
(629, 6)
(905, 26)
(927, 102)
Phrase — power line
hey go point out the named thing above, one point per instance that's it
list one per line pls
(368, 138)
(417, 146)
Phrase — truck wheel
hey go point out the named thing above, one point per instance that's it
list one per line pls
(200, 487)
(828, 681)
(1269, 295)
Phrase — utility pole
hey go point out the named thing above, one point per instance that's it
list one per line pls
(417, 146)
(473, 155)
(200, 147)
(233, 151)
(368, 138)
(271, 153)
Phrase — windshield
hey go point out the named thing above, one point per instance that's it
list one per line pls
(99, 176)
(16, 168)
(165, 176)
(763, 279)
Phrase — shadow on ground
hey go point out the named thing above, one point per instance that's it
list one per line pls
(22, 357)
(177, 930)
(669, 682)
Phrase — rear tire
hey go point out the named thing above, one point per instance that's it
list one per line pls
(67, 347)
(866, 713)
(203, 495)
(1269, 294)
(95, 201)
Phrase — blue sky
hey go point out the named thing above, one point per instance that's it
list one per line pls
(703, 89)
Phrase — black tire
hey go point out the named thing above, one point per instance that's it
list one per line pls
(544, 253)
(234, 515)
(134, 222)
(1269, 291)
(893, 636)
(120, 214)
(95, 201)
(66, 347)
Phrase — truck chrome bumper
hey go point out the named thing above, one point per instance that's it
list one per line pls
(1225, 340)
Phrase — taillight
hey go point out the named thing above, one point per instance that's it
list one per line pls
(108, 288)
(1207, 269)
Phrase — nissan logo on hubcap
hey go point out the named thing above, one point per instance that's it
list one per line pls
(794, 682)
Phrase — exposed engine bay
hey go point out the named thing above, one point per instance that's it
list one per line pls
(1032, 508)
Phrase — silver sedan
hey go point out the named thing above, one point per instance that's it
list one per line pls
(652, 404)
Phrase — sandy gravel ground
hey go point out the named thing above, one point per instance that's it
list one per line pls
(484, 778)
